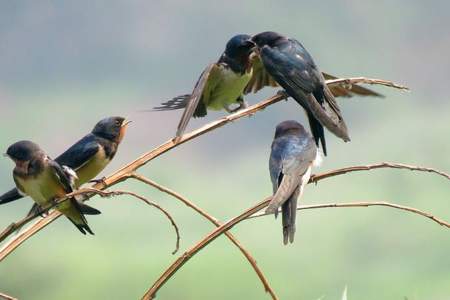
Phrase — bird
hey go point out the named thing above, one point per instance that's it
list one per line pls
(87, 157)
(279, 60)
(219, 86)
(45, 181)
(293, 154)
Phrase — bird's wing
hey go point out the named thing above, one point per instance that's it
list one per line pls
(10, 196)
(201, 88)
(260, 77)
(351, 90)
(297, 157)
(293, 68)
(65, 175)
(80, 153)
(178, 102)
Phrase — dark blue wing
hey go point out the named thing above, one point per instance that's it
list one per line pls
(81, 152)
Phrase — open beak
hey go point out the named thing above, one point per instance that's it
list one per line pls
(125, 123)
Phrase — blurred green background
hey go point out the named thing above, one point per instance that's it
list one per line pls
(64, 65)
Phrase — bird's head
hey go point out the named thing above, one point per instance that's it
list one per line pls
(112, 128)
(268, 38)
(23, 152)
(289, 127)
(239, 46)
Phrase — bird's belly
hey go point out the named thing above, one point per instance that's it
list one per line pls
(92, 168)
(42, 188)
(228, 90)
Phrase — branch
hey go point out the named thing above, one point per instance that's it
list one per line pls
(315, 178)
(213, 220)
(356, 80)
(86, 191)
(366, 204)
(6, 297)
(175, 266)
(124, 173)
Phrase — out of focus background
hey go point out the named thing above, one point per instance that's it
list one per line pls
(64, 65)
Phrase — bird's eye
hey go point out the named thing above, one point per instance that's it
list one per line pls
(118, 123)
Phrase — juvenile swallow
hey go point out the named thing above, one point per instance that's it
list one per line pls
(293, 154)
(289, 65)
(220, 85)
(45, 181)
(89, 156)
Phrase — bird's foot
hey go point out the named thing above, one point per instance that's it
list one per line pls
(101, 181)
(283, 94)
(39, 210)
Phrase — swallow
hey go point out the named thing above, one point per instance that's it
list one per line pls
(220, 85)
(293, 154)
(89, 156)
(283, 61)
(44, 180)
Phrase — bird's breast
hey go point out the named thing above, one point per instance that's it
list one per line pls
(228, 89)
(41, 188)
(92, 167)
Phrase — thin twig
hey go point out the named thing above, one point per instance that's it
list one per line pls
(365, 204)
(123, 173)
(6, 297)
(315, 178)
(356, 80)
(175, 266)
(81, 192)
(213, 220)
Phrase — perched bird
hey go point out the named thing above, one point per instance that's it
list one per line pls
(284, 61)
(45, 181)
(293, 154)
(89, 156)
(220, 85)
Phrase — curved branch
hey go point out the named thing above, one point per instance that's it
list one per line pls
(213, 220)
(85, 191)
(6, 297)
(175, 266)
(315, 178)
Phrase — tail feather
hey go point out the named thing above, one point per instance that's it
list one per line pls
(289, 213)
(88, 210)
(82, 227)
(10, 196)
(178, 102)
(317, 132)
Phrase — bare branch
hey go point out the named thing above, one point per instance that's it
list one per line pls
(356, 80)
(213, 220)
(124, 173)
(85, 191)
(175, 266)
(315, 178)
(6, 297)
(366, 204)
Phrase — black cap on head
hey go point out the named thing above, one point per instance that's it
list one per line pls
(23, 150)
(289, 127)
(109, 128)
(269, 38)
(239, 45)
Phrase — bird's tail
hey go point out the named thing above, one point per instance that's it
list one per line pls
(10, 196)
(288, 216)
(317, 132)
(75, 213)
(178, 102)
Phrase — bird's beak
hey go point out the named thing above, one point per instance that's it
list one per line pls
(125, 123)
